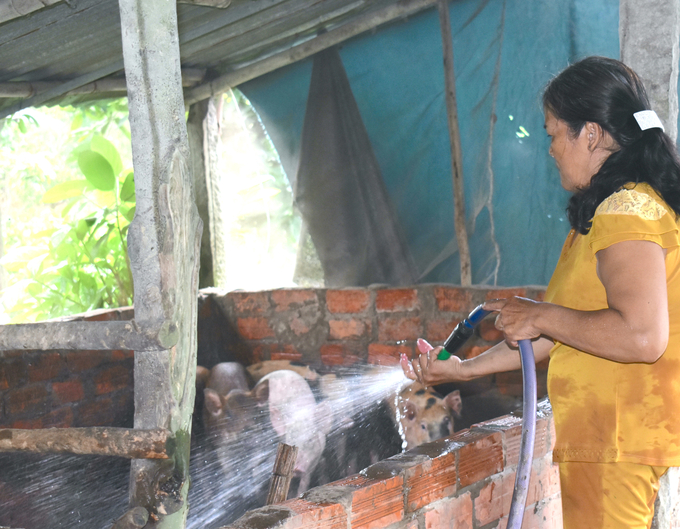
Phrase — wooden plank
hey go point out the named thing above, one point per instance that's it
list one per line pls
(351, 29)
(87, 336)
(456, 151)
(284, 465)
(119, 442)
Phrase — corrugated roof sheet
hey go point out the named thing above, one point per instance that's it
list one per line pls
(77, 42)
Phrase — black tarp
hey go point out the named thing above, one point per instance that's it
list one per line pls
(340, 191)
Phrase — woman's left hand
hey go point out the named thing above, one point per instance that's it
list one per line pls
(517, 318)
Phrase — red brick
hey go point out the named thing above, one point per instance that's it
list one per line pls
(250, 302)
(99, 412)
(299, 326)
(11, 373)
(451, 513)
(539, 295)
(112, 379)
(120, 355)
(387, 355)
(504, 293)
(69, 391)
(375, 503)
(254, 328)
(439, 330)
(544, 515)
(29, 399)
(347, 301)
(395, 300)
(47, 366)
(347, 329)
(288, 352)
(450, 299)
(259, 353)
(481, 457)
(308, 515)
(494, 498)
(487, 330)
(79, 361)
(337, 355)
(395, 329)
(430, 481)
(286, 299)
(511, 426)
(510, 383)
(59, 418)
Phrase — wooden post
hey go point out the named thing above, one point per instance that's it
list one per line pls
(456, 152)
(163, 245)
(283, 472)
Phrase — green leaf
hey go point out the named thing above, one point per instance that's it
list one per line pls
(108, 150)
(127, 190)
(70, 189)
(22, 125)
(129, 214)
(77, 121)
(97, 170)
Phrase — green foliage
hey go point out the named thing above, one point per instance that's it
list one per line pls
(78, 260)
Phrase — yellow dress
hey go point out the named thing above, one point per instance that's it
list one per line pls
(607, 411)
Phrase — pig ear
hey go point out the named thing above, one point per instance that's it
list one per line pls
(261, 392)
(213, 402)
(454, 403)
(410, 410)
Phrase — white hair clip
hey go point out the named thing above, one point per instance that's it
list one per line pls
(647, 119)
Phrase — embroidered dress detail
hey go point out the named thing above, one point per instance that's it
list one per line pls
(631, 202)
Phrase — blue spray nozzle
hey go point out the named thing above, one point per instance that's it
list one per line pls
(462, 333)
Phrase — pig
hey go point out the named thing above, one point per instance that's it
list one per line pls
(226, 399)
(261, 369)
(422, 415)
(297, 419)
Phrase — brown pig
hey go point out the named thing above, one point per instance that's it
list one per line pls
(423, 415)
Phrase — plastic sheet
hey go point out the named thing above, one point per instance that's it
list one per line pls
(504, 53)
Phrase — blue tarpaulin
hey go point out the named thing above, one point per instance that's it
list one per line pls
(504, 54)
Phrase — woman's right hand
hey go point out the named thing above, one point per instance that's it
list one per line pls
(430, 371)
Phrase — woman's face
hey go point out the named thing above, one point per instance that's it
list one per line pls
(572, 155)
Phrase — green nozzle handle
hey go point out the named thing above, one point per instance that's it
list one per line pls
(443, 355)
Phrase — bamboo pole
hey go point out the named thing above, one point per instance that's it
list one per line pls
(456, 151)
(283, 472)
(120, 442)
(360, 25)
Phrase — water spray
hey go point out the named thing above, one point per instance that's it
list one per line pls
(453, 343)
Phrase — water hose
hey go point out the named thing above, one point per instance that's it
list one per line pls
(453, 343)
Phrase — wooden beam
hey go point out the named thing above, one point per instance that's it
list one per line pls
(456, 151)
(87, 336)
(120, 442)
(116, 85)
(359, 25)
(11, 9)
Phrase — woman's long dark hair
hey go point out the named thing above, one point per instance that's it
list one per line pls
(607, 92)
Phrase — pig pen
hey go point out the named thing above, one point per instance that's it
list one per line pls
(464, 481)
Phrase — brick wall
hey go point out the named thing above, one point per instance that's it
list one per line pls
(68, 388)
(463, 482)
(328, 328)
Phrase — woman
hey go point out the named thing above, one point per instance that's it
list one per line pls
(610, 322)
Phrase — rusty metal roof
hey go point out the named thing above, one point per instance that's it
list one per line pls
(72, 50)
